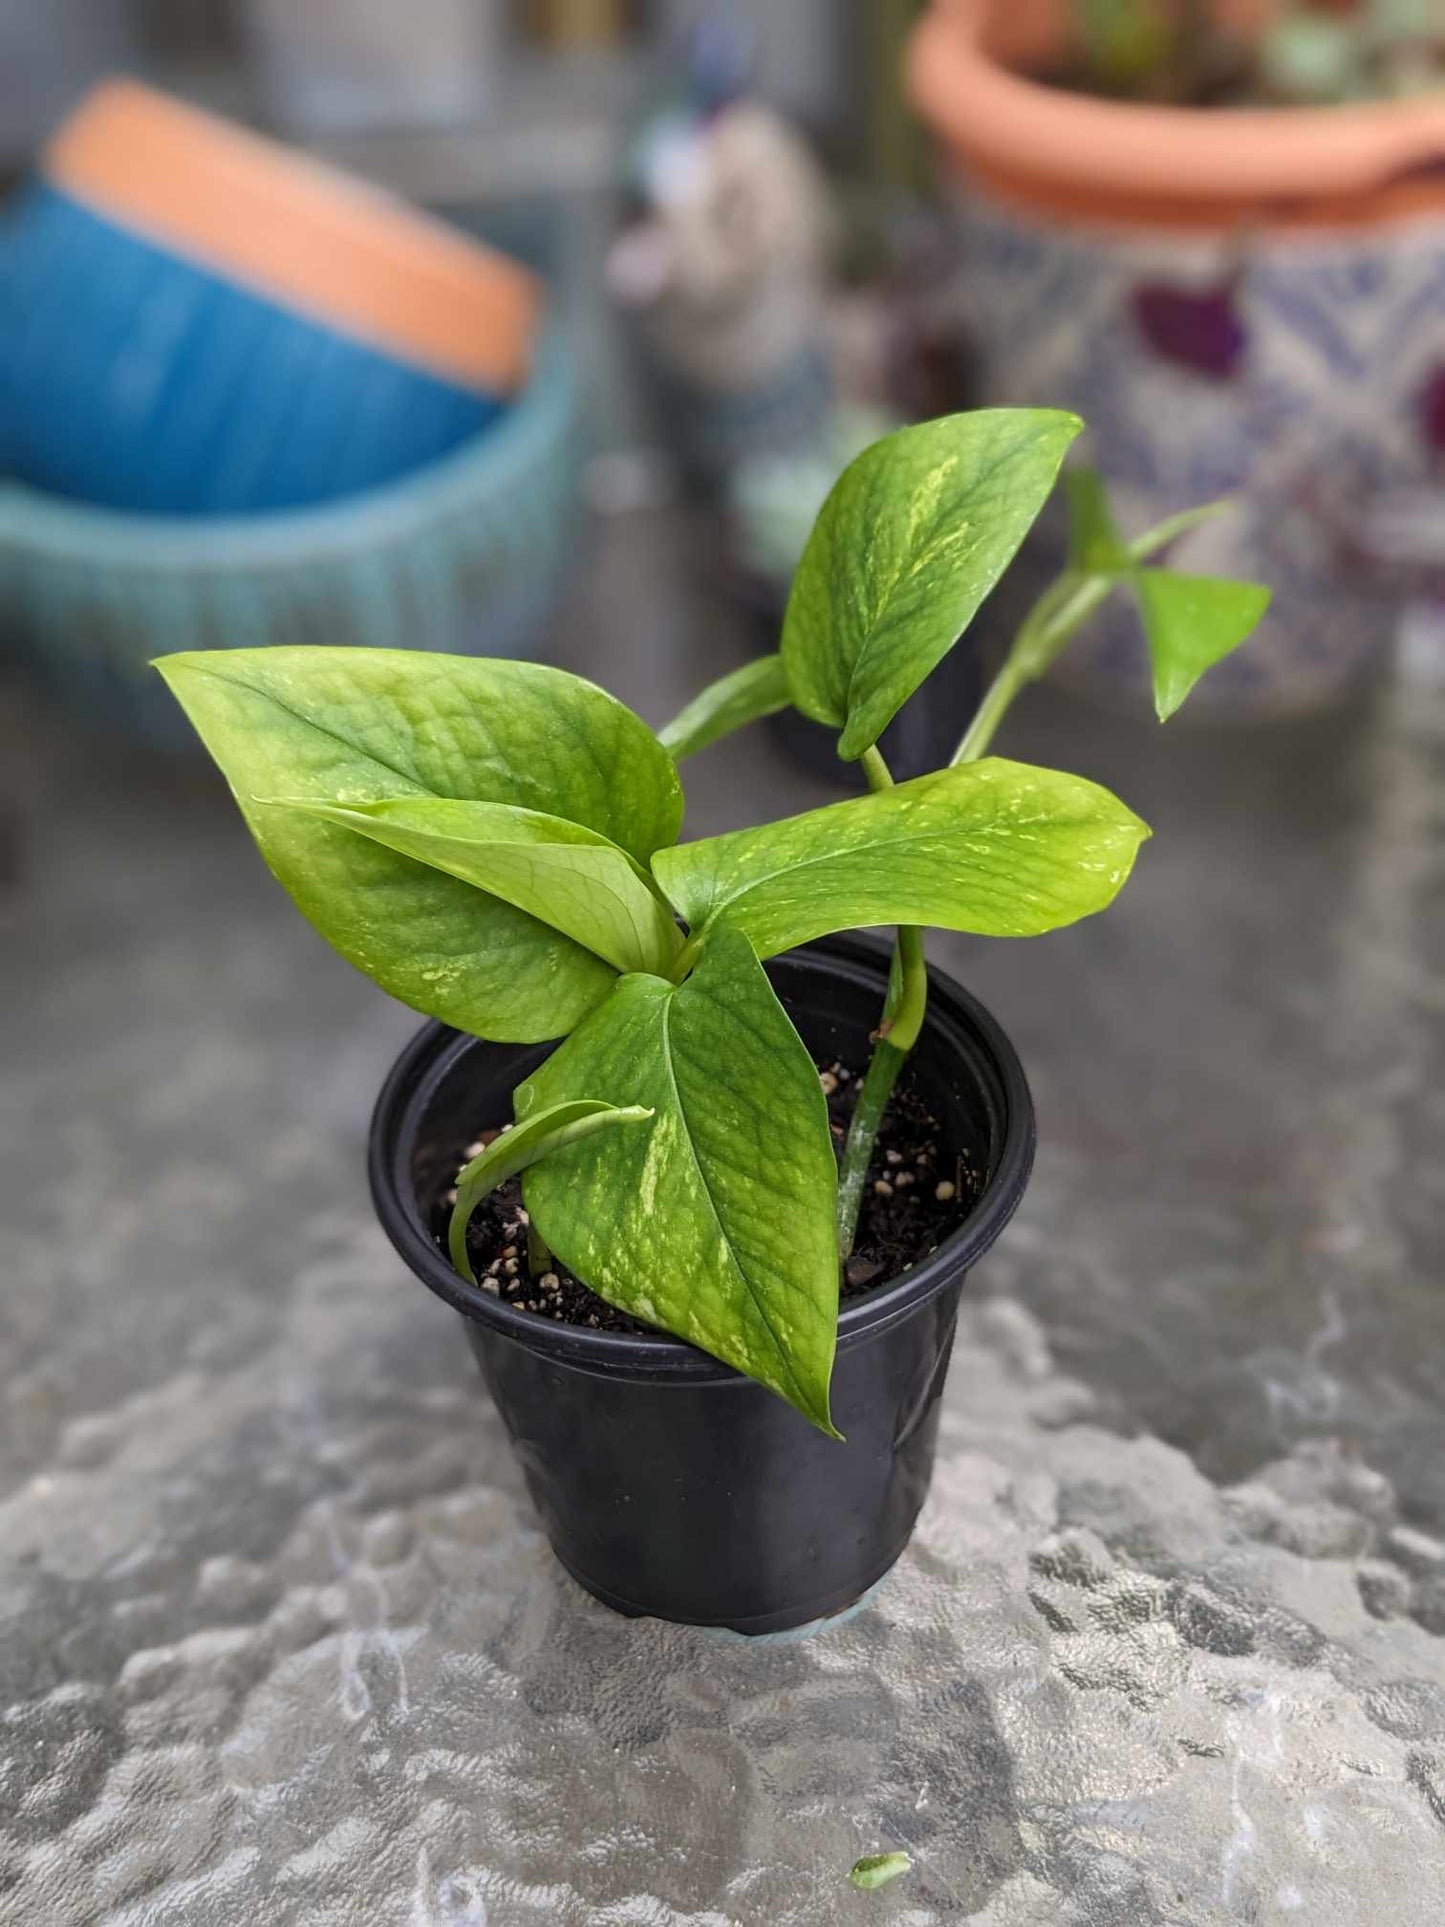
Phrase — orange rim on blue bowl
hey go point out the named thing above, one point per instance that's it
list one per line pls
(306, 236)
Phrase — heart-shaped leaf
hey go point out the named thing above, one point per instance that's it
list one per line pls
(562, 873)
(717, 1222)
(914, 535)
(338, 725)
(997, 848)
(1192, 622)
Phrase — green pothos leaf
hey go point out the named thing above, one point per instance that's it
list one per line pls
(997, 848)
(559, 872)
(717, 1222)
(1095, 545)
(343, 727)
(1192, 622)
(914, 535)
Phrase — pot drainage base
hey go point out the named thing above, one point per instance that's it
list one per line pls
(792, 1634)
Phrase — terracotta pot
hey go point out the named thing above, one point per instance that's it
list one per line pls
(1242, 301)
(1115, 161)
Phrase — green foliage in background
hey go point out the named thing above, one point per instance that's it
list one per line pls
(1306, 53)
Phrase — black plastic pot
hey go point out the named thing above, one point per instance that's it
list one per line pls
(668, 1483)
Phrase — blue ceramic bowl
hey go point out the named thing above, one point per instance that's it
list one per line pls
(134, 378)
(466, 555)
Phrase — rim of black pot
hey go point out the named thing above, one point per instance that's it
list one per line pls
(430, 1055)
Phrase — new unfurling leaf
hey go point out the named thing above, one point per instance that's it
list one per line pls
(1191, 622)
(541, 1135)
(565, 875)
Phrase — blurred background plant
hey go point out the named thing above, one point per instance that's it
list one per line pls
(1373, 50)
(1307, 52)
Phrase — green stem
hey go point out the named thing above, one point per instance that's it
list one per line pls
(758, 689)
(907, 1003)
(1053, 619)
(991, 711)
(539, 1256)
(882, 1074)
(903, 1022)
(1059, 613)
(686, 958)
(903, 1014)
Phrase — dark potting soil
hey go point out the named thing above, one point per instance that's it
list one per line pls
(917, 1192)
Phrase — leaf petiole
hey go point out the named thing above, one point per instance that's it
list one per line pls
(539, 1256)
(903, 1014)
(882, 1074)
(686, 958)
(758, 689)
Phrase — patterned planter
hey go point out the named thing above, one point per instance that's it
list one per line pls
(1223, 328)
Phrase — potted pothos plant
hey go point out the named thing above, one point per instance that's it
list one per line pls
(709, 1247)
(1214, 228)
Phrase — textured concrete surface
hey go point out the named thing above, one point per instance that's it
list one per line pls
(280, 1639)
